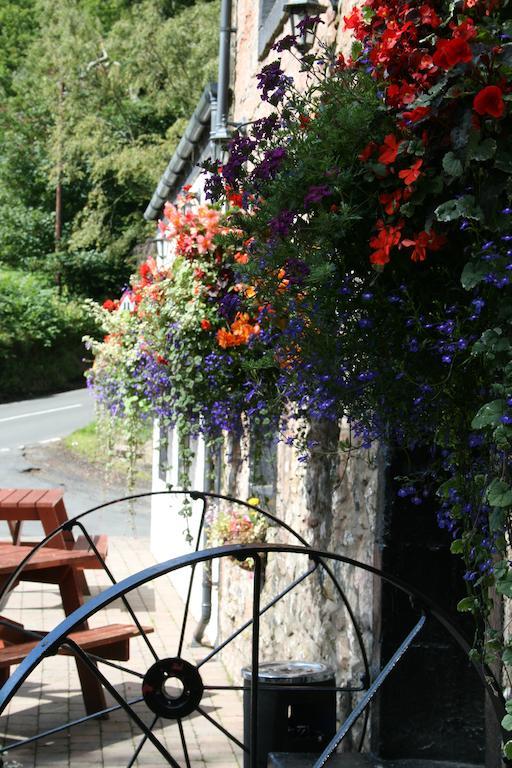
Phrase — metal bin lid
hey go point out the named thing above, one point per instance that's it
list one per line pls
(295, 672)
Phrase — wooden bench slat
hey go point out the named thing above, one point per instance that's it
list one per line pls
(5, 493)
(13, 500)
(50, 499)
(47, 557)
(33, 497)
(80, 545)
(88, 639)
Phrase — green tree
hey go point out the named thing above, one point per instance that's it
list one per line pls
(97, 105)
(17, 28)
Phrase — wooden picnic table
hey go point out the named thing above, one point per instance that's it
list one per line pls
(54, 566)
(45, 505)
(62, 562)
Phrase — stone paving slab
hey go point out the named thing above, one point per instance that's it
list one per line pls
(51, 696)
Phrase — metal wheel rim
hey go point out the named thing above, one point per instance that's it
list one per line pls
(57, 636)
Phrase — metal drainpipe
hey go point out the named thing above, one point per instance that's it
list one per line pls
(226, 30)
(206, 599)
(221, 134)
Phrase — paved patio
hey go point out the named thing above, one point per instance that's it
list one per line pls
(52, 696)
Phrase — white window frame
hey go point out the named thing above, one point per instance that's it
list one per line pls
(272, 17)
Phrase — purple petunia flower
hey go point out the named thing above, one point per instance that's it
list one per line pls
(315, 194)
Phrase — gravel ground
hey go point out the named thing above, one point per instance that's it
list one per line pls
(86, 485)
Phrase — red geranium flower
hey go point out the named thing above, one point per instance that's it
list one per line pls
(110, 305)
(429, 16)
(465, 29)
(391, 201)
(356, 22)
(489, 101)
(206, 325)
(368, 151)
(449, 53)
(389, 149)
(410, 175)
(416, 114)
(383, 242)
(424, 241)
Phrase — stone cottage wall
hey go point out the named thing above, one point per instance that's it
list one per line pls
(332, 503)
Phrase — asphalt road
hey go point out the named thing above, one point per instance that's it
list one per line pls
(32, 456)
(30, 422)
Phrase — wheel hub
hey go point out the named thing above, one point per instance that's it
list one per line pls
(172, 688)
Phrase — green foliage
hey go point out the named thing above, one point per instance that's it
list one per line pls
(40, 336)
(17, 28)
(26, 234)
(99, 93)
(93, 274)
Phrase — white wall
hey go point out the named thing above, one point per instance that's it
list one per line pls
(169, 527)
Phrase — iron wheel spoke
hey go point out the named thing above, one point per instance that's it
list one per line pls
(191, 581)
(285, 687)
(370, 693)
(255, 662)
(66, 726)
(114, 665)
(123, 598)
(124, 704)
(184, 743)
(141, 743)
(267, 607)
(221, 729)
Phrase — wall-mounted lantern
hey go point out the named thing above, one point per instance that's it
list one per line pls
(298, 10)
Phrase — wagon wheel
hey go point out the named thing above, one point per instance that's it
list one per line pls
(155, 699)
(78, 523)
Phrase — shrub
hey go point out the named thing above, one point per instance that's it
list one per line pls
(40, 337)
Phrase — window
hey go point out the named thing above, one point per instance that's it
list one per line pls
(263, 468)
(271, 22)
(164, 451)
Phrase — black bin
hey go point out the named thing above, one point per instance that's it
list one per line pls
(291, 720)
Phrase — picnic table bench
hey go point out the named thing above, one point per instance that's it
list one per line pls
(62, 562)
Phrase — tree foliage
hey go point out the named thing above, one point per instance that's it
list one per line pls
(97, 95)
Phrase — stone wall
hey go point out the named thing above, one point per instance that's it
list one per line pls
(332, 504)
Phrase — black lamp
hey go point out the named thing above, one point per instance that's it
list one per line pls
(298, 10)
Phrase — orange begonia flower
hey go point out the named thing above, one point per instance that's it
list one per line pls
(240, 333)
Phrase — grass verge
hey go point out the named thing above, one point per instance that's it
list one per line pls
(88, 444)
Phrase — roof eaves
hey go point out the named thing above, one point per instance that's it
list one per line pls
(194, 131)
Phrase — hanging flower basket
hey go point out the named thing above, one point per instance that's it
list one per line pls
(239, 527)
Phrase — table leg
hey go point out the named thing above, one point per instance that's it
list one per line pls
(51, 518)
(71, 595)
